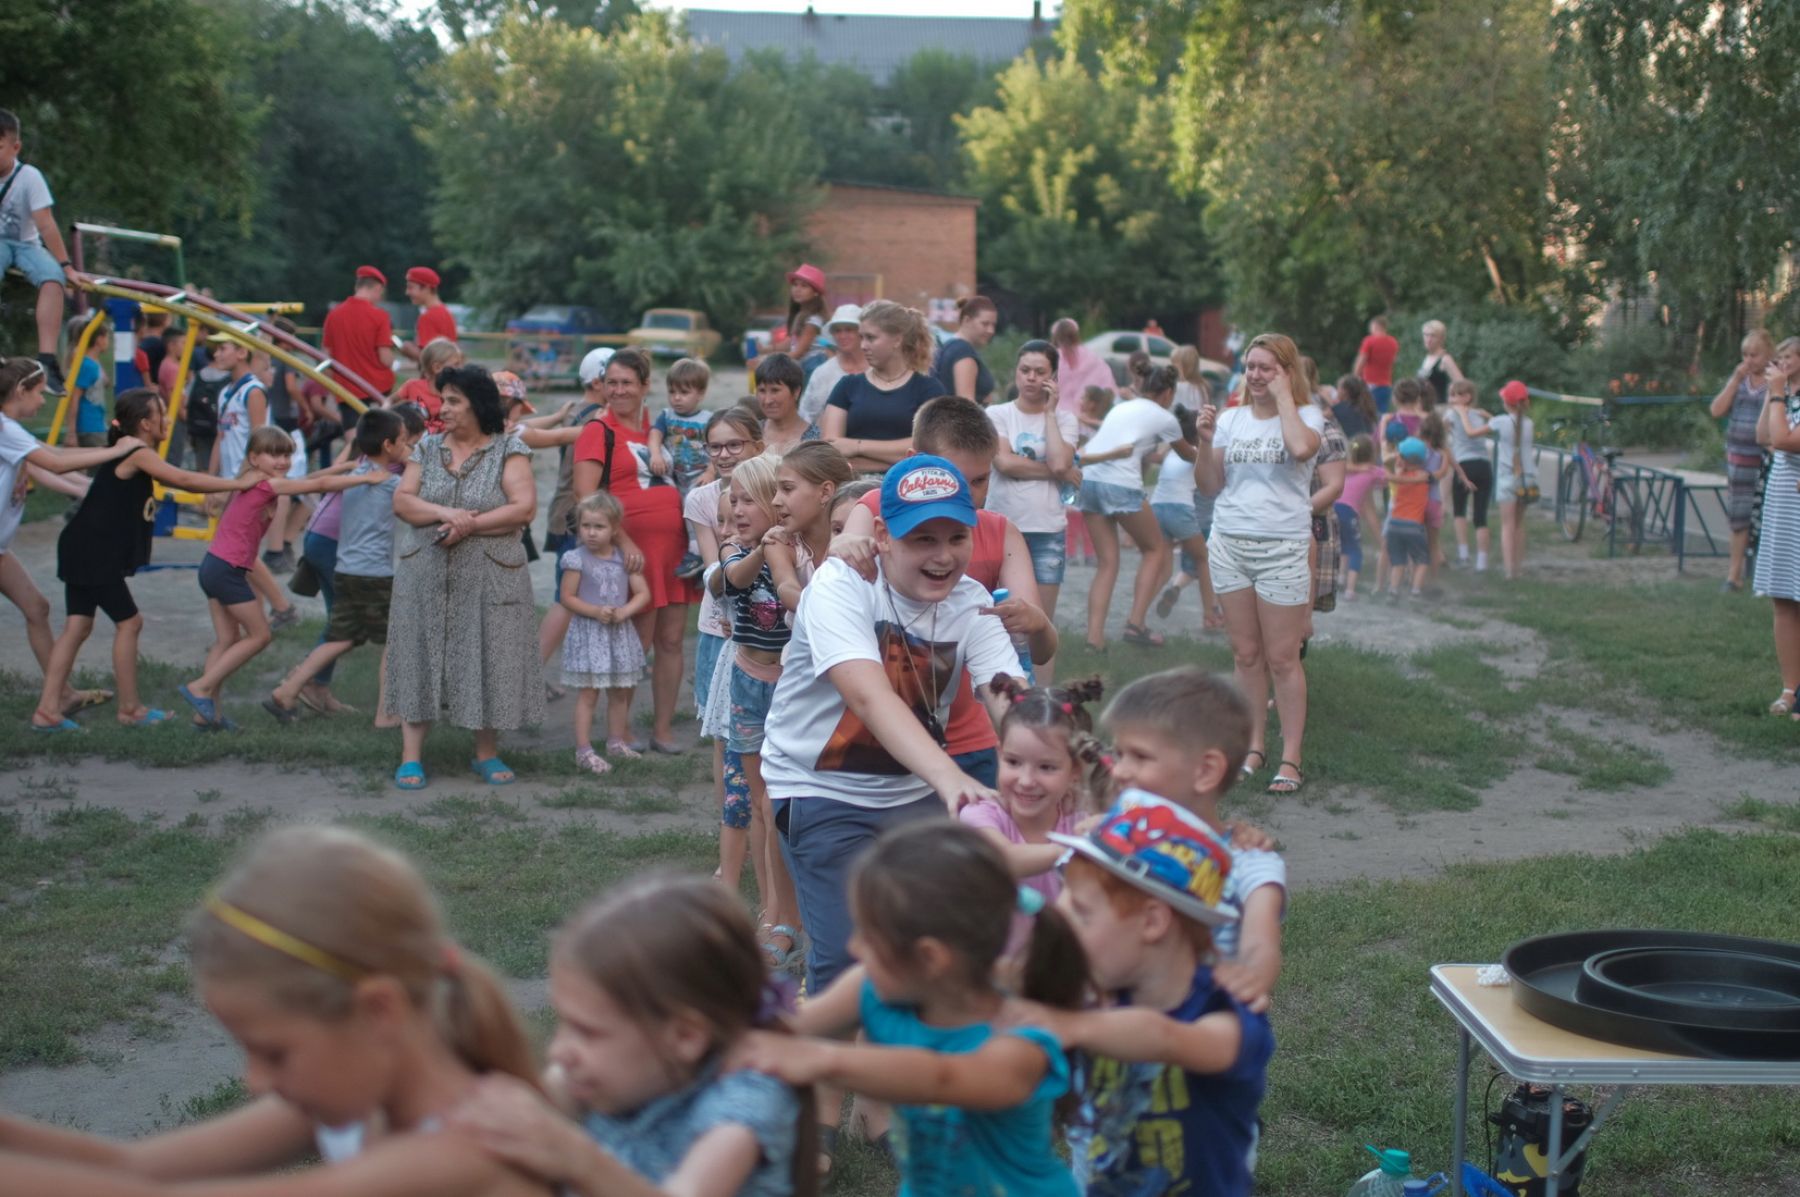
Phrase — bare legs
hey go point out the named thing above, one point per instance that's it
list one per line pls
(1265, 646)
(1512, 538)
(17, 586)
(75, 632)
(662, 630)
(1152, 567)
(1787, 643)
(1740, 547)
(240, 631)
(49, 316)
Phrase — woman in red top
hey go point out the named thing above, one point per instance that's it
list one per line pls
(653, 521)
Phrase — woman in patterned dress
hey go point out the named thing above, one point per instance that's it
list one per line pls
(1778, 550)
(462, 630)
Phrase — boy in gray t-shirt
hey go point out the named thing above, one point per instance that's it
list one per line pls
(30, 241)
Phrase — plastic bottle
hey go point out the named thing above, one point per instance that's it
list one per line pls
(1388, 1180)
(1021, 643)
(1068, 491)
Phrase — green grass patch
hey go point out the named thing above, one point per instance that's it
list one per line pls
(1700, 657)
(1770, 814)
(1598, 765)
(42, 503)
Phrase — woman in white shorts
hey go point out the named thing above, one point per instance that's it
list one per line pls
(1258, 459)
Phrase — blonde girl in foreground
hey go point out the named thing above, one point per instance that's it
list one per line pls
(363, 1026)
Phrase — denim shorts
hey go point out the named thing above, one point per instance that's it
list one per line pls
(706, 660)
(1177, 521)
(1406, 543)
(33, 261)
(1049, 556)
(750, 701)
(1106, 498)
(225, 583)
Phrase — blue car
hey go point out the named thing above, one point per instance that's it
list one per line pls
(548, 341)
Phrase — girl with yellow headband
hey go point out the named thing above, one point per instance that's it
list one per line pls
(362, 1026)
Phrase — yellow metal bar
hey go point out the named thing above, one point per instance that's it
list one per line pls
(81, 347)
(283, 307)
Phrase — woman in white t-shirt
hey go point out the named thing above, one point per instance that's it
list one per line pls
(1036, 459)
(1258, 459)
(1112, 497)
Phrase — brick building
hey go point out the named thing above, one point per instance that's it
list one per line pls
(894, 243)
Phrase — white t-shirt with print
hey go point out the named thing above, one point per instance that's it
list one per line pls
(1266, 495)
(814, 746)
(15, 446)
(29, 194)
(1139, 423)
(701, 509)
(1032, 504)
(1174, 482)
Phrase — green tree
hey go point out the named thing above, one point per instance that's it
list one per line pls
(1679, 164)
(1077, 212)
(622, 170)
(467, 20)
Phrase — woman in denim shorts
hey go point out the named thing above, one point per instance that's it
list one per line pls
(1112, 497)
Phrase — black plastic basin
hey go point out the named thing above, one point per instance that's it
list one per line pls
(1705, 987)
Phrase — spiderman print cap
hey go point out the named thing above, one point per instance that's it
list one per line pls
(1163, 850)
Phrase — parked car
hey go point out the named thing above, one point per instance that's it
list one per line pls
(546, 342)
(675, 332)
(765, 333)
(1117, 345)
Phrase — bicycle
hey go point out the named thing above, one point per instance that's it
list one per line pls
(1587, 486)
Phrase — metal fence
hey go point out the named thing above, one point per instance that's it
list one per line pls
(1667, 510)
(544, 360)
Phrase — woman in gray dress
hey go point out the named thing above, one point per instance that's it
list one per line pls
(462, 630)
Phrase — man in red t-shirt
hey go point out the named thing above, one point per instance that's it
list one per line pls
(1374, 362)
(435, 319)
(360, 337)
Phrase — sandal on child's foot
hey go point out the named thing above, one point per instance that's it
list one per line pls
(282, 714)
(592, 762)
(624, 749)
(1141, 636)
(828, 1141)
(1249, 770)
(1783, 705)
(1286, 785)
(1165, 602)
(778, 956)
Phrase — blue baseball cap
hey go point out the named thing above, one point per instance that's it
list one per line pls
(1412, 449)
(924, 488)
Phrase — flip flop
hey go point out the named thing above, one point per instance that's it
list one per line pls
(206, 708)
(283, 715)
(86, 698)
(410, 776)
(51, 729)
(150, 718)
(488, 768)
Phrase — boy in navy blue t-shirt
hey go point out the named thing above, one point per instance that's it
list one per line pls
(1174, 1067)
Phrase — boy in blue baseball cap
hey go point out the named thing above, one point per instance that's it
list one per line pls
(855, 739)
(1407, 545)
(1174, 1067)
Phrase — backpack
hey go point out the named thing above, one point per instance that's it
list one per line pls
(201, 409)
(582, 417)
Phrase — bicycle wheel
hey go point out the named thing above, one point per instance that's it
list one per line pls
(1627, 516)
(1571, 500)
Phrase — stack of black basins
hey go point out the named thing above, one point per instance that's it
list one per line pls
(1722, 996)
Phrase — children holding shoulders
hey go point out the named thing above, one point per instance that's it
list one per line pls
(1468, 426)
(654, 986)
(362, 579)
(1405, 536)
(363, 1026)
(1438, 467)
(240, 630)
(855, 743)
(105, 542)
(1177, 1063)
(1515, 472)
(975, 1091)
(678, 443)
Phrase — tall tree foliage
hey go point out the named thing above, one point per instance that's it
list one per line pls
(1682, 119)
(1078, 216)
(622, 170)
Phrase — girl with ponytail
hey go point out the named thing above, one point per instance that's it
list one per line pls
(655, 987)
(107, 541)
(869, 416)
(1052, 773)
(933, 905)
(363, 1026)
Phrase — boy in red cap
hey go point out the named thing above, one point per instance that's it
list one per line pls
(435, 318)
(359, 336)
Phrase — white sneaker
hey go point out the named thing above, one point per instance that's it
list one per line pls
(1481, 563)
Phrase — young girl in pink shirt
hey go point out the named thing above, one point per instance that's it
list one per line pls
(239, 628)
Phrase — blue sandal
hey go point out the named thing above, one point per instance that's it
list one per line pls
(410, 776)
(778, 957)
(493, 765)
(204, 707)
(51, 729)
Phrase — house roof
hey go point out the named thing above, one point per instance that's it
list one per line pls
(874, 44)
(921, 194)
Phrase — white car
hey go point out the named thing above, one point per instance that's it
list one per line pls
(1117, 345)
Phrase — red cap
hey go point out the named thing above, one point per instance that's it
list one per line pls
(809, 274)
(1514, 393)
(425, 276)
(363, 272)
